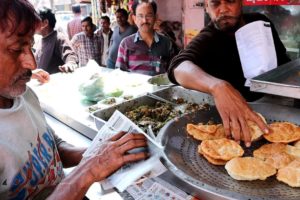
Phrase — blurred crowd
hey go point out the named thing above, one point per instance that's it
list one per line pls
(139, 43)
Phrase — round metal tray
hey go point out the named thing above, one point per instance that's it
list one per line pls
(201, 177)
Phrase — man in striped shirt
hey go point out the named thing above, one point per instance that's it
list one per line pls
(145, 52)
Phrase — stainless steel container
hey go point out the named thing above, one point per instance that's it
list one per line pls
(283, 81)
(101, 116)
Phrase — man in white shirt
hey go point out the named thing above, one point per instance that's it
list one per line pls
(32, 156)
(105, 34)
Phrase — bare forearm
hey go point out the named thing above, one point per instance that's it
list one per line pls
(191, 76)
(107, 159)
(69, 154)
(74, 186)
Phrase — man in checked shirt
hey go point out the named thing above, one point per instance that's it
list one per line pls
(86, 44)
(145, 52)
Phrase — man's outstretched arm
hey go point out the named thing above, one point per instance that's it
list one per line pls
(232, 107)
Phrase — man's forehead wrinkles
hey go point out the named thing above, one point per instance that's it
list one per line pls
(15, 39)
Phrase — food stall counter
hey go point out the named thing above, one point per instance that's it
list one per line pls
(60, 97)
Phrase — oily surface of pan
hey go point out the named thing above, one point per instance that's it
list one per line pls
(183, 160)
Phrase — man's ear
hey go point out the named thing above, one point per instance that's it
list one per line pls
(45, 22)
(134, 19)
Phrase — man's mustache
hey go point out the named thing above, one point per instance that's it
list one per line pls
(26, 75)
(146, 24)
(225, 17)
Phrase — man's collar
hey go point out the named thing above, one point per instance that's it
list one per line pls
(49, 34)
(87, 35)
(109, 31)
(138, 37)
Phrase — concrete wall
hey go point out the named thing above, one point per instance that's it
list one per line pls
(193, 19)
(193, 15)
(170, 10)
(186, 11)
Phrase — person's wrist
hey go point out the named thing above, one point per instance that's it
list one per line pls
(92, 172)
(78, 180)
(217, 86)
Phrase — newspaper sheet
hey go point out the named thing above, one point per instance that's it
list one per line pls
(256, 49)
(154, 188)
(131, 172)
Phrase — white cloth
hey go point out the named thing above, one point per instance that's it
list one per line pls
(104, 55)
(256, 49)
(29, 161)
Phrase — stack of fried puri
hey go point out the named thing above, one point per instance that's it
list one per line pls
(288, 166)
(206, 132)
(216, 131)
(283, 157)
(219, 151)
(278, 155)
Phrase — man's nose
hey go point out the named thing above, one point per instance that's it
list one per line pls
(27, 60)
(223, 7)
(144, 19)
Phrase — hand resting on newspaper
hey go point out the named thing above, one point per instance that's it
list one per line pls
(114, 154)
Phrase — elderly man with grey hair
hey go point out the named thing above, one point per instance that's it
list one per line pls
(32, 156)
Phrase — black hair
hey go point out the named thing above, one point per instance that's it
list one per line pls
(18, 15)
(166, 29)
(47, 14)
(76, 8)
(105, 18)
(88, 19)
(123, 12)
(136, 3)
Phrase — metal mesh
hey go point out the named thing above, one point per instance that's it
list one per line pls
(181, 152)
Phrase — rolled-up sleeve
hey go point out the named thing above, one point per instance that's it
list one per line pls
(194, 52)
(57, 139)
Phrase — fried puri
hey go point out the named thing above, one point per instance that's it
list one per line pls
(206, 132)
(290, 174)
(255, 131)
(268, 149)
(210, 159)
(216, 131)
(284, 132)
(279, 160)
(249, 168)
(223, 149)
(293, 151)
(274, 154)
(297, 144)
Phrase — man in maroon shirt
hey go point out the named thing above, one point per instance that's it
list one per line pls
(74, 26)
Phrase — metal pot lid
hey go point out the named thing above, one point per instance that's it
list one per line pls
(182, 158)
